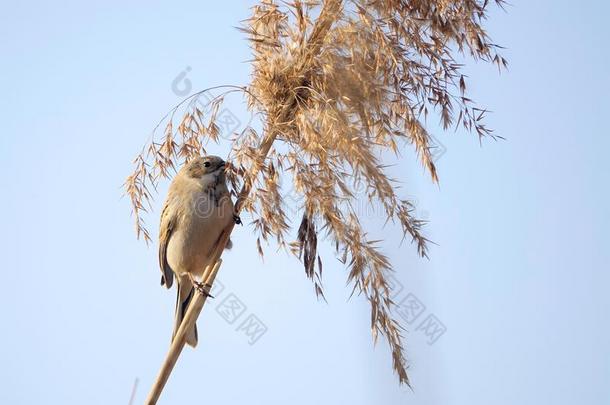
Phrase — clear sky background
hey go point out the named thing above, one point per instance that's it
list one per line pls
(519, 278)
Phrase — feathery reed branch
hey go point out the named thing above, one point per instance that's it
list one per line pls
(335, 85)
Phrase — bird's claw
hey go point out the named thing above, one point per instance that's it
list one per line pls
(204, 289)
(237, 219)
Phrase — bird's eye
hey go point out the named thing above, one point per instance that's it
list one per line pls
(206, 164)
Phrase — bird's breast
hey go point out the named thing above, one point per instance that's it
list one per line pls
(203, 218)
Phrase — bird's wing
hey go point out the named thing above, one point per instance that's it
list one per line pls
(168, 225)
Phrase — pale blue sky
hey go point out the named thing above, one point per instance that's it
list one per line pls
(519, 277)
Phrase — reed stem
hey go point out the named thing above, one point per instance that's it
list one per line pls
(321, 28)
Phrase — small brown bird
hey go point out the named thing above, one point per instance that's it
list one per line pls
(197, 209)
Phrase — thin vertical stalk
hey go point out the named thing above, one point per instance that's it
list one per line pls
(311, 49)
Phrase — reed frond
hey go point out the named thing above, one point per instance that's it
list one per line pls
(335, 84)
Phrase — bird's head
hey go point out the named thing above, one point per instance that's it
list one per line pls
(205, 167)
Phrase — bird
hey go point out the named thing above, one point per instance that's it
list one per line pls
(197, 209)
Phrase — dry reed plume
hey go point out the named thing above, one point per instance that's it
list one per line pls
(334, 85)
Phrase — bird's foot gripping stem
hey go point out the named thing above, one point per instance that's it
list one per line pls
(202, 287)
(237, 219)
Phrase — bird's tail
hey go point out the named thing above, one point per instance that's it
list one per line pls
(185, 294)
